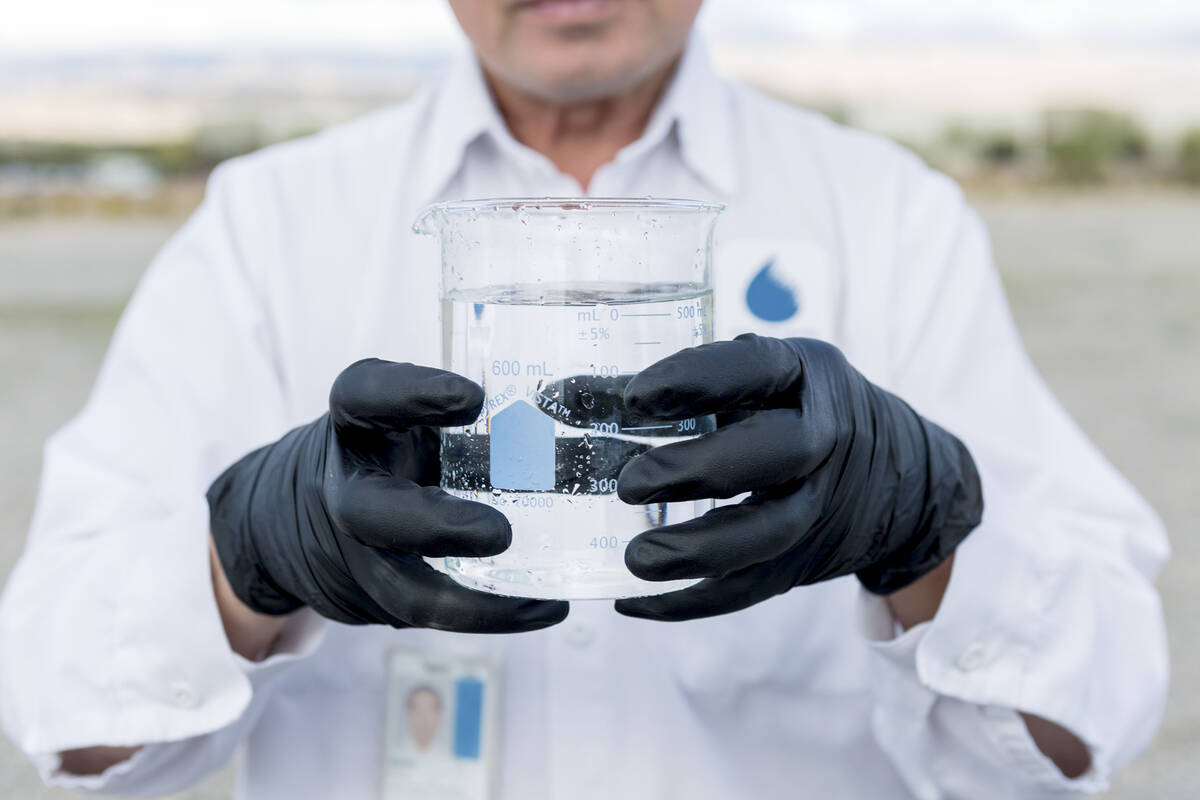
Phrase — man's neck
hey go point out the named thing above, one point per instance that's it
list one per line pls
(580, 137)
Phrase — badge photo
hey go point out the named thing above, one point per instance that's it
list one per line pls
(440, 728)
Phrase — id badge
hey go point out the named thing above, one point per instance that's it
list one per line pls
(440, 736)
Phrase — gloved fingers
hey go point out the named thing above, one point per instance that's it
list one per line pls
(393, 513)
(385, 396)
(710, 597)
(416, 455)
(769, 448)
(410, 590)
(580, 400)
(747, 372)
(726, 539)
(347, 604)
(594, 402)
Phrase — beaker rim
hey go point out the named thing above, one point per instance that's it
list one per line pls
(536, 204)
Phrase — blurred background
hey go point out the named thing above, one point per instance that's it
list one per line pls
(1074, 126)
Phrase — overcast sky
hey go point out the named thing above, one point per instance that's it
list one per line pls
(47, 27)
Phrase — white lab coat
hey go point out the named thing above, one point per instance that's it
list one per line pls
(301, 260)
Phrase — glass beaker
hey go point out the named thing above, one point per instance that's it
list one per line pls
(552, 305)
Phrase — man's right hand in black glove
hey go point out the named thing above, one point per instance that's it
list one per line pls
(338, 514)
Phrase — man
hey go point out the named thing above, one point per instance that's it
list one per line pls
(862, 631)
(424, 709)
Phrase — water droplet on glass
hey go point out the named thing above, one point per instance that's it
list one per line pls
(587, 400)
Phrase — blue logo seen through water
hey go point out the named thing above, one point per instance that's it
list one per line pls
(770, 299)
(522, 449)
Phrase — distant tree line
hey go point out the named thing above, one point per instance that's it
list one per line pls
(1075, 147)
(192, 156)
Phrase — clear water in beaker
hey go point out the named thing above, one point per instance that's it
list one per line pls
(554, 357)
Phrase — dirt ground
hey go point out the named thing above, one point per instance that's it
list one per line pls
(1104, 287)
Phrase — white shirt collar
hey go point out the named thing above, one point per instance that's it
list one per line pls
(694, 108)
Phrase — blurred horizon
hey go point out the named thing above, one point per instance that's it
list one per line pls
(103, 104)
(430, 26)
(136, 71)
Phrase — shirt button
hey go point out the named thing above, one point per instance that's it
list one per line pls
(184, 695)
(580, 634)
(974, 657)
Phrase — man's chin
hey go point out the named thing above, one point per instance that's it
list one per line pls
(576, 92)
(586, 84)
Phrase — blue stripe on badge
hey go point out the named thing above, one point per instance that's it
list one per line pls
(468, 717)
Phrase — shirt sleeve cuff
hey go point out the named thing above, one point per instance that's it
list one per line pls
(149, 757)
(1012, 737)
(142, 656)
(300, 638)
(901, 685)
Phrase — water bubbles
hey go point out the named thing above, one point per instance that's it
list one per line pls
(588, 401)
(496, 493)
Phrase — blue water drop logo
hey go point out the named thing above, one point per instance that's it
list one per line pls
(768, 298)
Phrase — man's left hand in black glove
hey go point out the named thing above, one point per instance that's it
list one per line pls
(844, 478)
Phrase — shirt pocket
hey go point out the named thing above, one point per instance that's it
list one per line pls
(774, 287)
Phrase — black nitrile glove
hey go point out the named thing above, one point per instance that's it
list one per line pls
(337, 514)
(845, 478)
